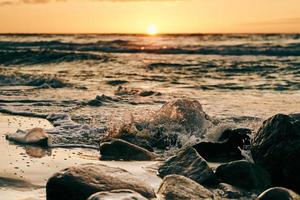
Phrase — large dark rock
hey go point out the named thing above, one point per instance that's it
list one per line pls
(117, 149)
(237, 137)
(278, 193)
(244, 174)
(117, 195)
(35, 136)
(80, 182)
(189, 164)
(180, 187)
(227, 148)
(276, 147)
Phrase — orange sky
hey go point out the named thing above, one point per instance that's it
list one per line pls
(134, 16)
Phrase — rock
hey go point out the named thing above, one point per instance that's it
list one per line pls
(237, 137)
(80, 182)
(276, 147)
(218, 151)
(179, 187)
(35, 136)
(278, 193)
(227, 191)
(189, 164)
(227, 148)
(244, 174)
(117, 149)
(117, 195)
(184, 112)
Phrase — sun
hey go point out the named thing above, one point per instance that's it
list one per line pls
(152, 29)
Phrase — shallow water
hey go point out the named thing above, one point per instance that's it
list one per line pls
(24, 171)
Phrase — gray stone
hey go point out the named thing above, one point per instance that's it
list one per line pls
(117, 149)
(276, 147)
(189, 164)
(244, 174)
(80, 182)
(278, 193)
(179, 187)
(35, 136)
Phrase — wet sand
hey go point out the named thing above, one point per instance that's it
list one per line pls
(24, 170)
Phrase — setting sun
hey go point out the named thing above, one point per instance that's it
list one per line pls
(152, 30)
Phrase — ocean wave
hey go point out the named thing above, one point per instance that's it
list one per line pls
(14, 79)
(126, 46)
(32, 57)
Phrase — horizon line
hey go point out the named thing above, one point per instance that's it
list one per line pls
(145, 34)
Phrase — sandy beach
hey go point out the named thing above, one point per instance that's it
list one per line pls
(24, 170)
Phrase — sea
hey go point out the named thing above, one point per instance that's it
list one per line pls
(102, 80)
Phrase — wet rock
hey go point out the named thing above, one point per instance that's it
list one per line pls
(244, 174)
(228, 147)
(186, 113)
(35, 136)
(117, 195)
(189, 164)
(175, 122)
(80, 182)
(276, 147)
(180, 187)
(139, 141)
(117, 149)
(218, 151)
(227, 191)
(278, 193)
(237, 137)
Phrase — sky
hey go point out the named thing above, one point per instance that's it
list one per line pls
(135, 16)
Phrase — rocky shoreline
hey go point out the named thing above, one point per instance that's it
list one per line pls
(251, 164)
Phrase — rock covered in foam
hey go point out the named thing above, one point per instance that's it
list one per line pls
(80, 182)
(276, 147)
(174, 123)
(35, 136)
(117, 195)
(180, 187)
(190, 164)
(117, 149)
(244, 174)
(184, 112)
(278, 193)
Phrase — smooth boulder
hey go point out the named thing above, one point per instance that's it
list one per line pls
(276, 147)
(35, 136)
(80, 182)
(190, 164)
(117, 149)
(244, 174)
(278, 193)
(180, 187)
(117, 195)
